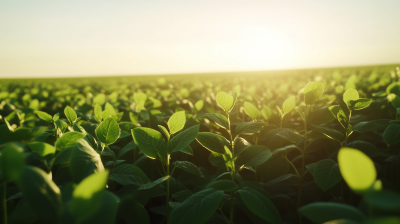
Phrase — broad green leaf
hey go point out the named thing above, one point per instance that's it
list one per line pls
(349, 95)
(289, 104)
(156, 103)
(198, 208)
(254, 155)
(228, 159)
(260, 205)
(154, 183)
(56, 116)
(283, 150)
(266, 112)
(176, 122)
(385, 200)
(97, 113)
(126, 126)
(44, 116)
(326, 174)
(108, 112)
(249, 127)
(42, 148)
(84, 161)
(107, 211)
(320, 116)
(130, 146)
(41, 192)
(330, 133)
(212, 142)
(188, 150)
(11, 162)
(199, 105)
(217, 160)
(87, 196)
(140, 100)
(129, 174)
(70, 114)
(132, 212)
(393, 88)
(382, 220)
(99, 99)
(68, 140)
(339, 114)
(34, 104)
(375, 125)
(188, 167)
(183, 139)
(360, 104)
(108, 131)
(321, 212)
(133, 117)
(164, 131)
(181, 196)
(394, 99)
(240, 146)
(224, 185)
(251, 110)
(150, 142)
(357, 169)
(124, 134)
(61, 125)
(225, 101)
(392, 134)
(289, 134)
(366, 147)
(312, 92)
(219, 119)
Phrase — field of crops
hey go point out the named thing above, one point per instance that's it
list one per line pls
(301, 146)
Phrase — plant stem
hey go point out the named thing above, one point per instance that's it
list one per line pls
(347, 132)
(167, 196)
(292, 165)
(3, 206)
(302, 163)
(233, 169)
(134, 155)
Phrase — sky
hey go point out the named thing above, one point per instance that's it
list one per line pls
(47, 38)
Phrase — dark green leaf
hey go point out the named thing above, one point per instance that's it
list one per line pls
(219, 119)
(321, 212)
(68, 140)
(181, 196)
(224, 185)
(41, 148)
(129, 174)
(392, 134)
(61, 125)
(188, 167)
(330, 133)
(254, 155)
(385, 200)
(212, 142)
(164, 131)
(249, 127)
(183, 139)
(11, 162)
(326, 174)
(375, 125)
(154, 183)
(150, 142)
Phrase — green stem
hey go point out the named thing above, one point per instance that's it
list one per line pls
(302, 163)
(167, 196)
(347, 132)
(292, 165)
(3, 206)
(223, 216)
(256, 173)
(134, 155)
(232, 208)
(256, 143)
(280, 126)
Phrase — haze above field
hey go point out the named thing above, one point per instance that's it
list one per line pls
(74, 38)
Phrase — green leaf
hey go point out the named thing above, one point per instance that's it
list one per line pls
(393, 88)
(84, 161)
(130, 146)
(392, 134)
(330, 133)
(394, 99)
(350, 95)
(88, 195)
(181, 196)
(97, 113)
(198, 208)
(289, 104)
(108, 131)
(260, 205)
(339, 114)
(366, 147)
(156, 103)
(41, 148)
(140, 100)
(41, 192)
(251, 110)
(183, 139)
(70, 114)
(44, 116)
(385, 200)
(249, 127)
(219, 119)
(225, 101)
(360, 104)
(282, 151)
(312, 92)
(68, 140)
(224, 185)
(109, 112)
(11, 162)
(56, 116)
(212, 142)
(266, 112)
(320, 116)
(188, 150)
(357, 169)
(150, 142)
(321, 212)
(129, 174)
(188, 167)
(176, 122)
(61, 125)
(326, 174)
(154, 183)
(99, 99)
(164, 131)
(133, 212)
(228, 159)
(375, 125)
(254, 155)
(199, 105)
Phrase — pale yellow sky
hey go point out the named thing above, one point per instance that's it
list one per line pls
(44, 38)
